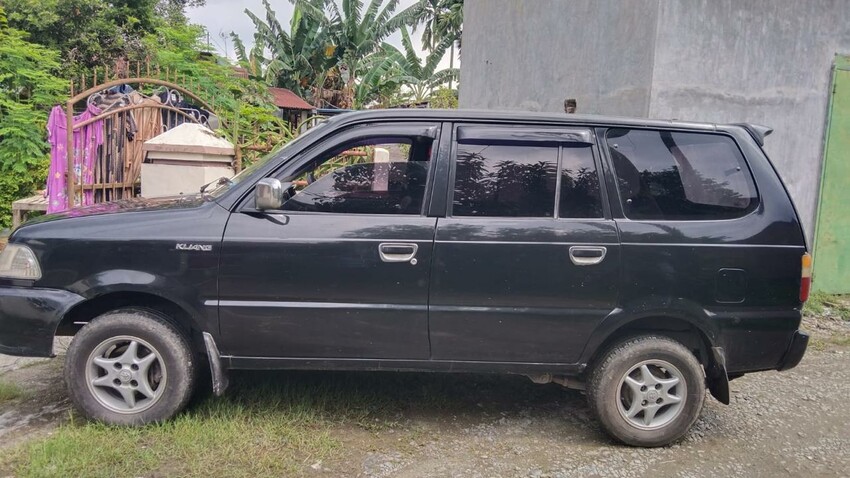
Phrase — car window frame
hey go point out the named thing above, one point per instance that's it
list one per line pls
(590, 141)
(611, 177)
(401, 130)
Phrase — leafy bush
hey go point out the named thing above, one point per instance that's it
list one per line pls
(28, 89)
(443, 98)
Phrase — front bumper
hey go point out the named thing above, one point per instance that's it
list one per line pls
(795, 352)
(29, 317)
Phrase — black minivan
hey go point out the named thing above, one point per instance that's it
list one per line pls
(642, 261)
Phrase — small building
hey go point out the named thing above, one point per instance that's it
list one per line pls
(291, 108)
(183, 159)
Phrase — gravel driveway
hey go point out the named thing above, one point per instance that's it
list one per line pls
(794, 423)
(779, 424)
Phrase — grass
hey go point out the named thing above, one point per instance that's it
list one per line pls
(821, 344)
(233, 441)
(820, 303)
(10, 391)
(268, 424)
(257, 429)
(832, 306)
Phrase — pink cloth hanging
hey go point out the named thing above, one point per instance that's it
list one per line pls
(86, 141)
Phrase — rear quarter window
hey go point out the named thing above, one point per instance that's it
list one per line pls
(669, 175)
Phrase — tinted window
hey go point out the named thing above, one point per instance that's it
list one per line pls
(366, 188)
(579, 184)
(501, 180)
(680, 176)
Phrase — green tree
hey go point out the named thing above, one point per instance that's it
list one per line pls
(174, 11)
(28, 88)
(94, 33)
(243, 105)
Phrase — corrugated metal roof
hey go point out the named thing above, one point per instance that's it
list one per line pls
(284, 98)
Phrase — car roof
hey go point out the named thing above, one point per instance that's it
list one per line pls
(408, 114)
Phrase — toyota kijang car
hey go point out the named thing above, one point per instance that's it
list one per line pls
(641, 261)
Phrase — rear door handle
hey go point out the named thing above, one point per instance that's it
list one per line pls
(398, 252)
(587, 255)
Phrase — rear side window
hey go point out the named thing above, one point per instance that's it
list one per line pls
(667, 175)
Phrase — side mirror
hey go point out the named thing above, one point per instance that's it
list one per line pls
(268, 194)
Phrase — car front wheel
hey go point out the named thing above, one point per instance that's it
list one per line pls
(647, 391)
(129, 367)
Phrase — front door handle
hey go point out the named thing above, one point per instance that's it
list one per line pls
(587, 255)
(398, 252)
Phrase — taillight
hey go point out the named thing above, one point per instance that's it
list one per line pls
(806, 277)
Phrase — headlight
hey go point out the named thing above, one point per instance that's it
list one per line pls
(18, 262)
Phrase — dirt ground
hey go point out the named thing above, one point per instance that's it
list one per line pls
(794, 423)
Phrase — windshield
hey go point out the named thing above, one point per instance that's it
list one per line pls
(224, 186)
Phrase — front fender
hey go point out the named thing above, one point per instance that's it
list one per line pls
(170, 289)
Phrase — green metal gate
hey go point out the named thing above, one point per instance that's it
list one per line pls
(832, 233)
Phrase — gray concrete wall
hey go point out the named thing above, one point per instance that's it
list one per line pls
(760, 61)
(531, 55)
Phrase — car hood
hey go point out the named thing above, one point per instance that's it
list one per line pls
(127, 205)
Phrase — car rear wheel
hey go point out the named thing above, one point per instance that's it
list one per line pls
(647, 391)
(129, 367)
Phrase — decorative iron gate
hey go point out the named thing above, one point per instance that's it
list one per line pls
(130, 114)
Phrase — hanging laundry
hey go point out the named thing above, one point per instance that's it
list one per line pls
(124, 89)
(112, 100)
(85, 144)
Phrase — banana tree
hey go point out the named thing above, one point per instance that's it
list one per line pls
(358, 35)
(421, 78)
(440, 19)
(330, 47)
(299, 59)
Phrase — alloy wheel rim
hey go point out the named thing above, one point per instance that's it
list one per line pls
(651, 394)
(126, 374)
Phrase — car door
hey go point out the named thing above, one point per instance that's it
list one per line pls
(342, 271)
(526, 263)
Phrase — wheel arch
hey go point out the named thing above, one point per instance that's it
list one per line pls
(676, 327)
(691, 330)
(179, 315)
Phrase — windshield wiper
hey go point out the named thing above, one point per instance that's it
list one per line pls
(217, 182)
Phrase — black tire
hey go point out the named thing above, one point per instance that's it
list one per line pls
(609, 371)
(174, 361)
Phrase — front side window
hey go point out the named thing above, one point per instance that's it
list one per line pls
(369, 178)
(668, 175)
(505, 180)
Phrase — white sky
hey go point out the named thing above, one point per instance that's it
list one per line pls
(220, 17)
